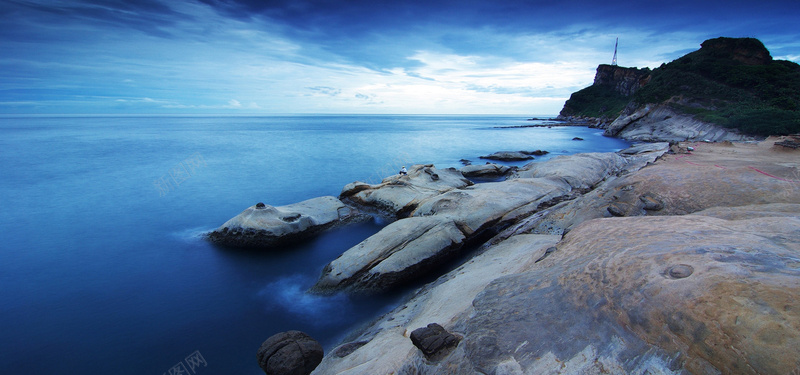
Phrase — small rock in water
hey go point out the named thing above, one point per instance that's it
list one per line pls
(577, 139)
(289, 353)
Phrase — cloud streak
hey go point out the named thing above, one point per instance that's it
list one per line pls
(235, 56)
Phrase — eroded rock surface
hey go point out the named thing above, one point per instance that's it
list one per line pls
(265, 226)
(441, 224)
(712, 292)
(661, 123)
(396, 195)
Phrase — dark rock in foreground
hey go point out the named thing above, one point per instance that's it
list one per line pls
(434, 341)
(289, 353)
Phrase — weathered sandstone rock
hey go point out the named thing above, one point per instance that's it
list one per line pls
(401, 251)
(289, 353)
(579, 171)
(440, 225)
(396, 195)
(385, 346)
(660, 123)
(712, 292)
(731, 175)
(264, 226)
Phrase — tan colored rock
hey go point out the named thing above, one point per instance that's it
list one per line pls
(401, 193)
(714, 175)
(386, 346)
(667, 295)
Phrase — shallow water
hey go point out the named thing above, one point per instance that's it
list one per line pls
(101, 261)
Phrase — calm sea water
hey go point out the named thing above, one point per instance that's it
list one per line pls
(101, 264)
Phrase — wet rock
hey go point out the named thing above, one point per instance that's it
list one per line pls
(434, 341)
(289, 353)
(577, 139)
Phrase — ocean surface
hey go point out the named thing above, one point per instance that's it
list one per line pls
(102, 266)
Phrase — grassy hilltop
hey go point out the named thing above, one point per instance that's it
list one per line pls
(732, 82)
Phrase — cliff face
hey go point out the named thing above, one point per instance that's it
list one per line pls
(624, 81)
(729, 89)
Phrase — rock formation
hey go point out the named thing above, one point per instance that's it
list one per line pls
(623, 80)
(730, 89)
(441, 225)
(485, 171)
(513, 155)
(262, 226)
(703, 281)
(397, 195)
(662, 123)
(289, 353)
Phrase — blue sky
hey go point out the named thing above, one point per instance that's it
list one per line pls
(322, 56)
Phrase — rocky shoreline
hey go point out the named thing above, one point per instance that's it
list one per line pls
(655, 259)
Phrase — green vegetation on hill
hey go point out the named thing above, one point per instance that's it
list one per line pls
(600, 101)
(730, 87)
(732, 82)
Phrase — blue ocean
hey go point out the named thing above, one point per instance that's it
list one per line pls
(102, 264)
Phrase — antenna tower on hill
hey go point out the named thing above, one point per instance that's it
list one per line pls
(614, 60)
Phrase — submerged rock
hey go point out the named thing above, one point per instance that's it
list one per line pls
(289, 353)
(264, 226)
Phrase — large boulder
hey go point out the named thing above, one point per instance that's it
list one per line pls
(289, 353)
(396, 195)
(265, 226)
